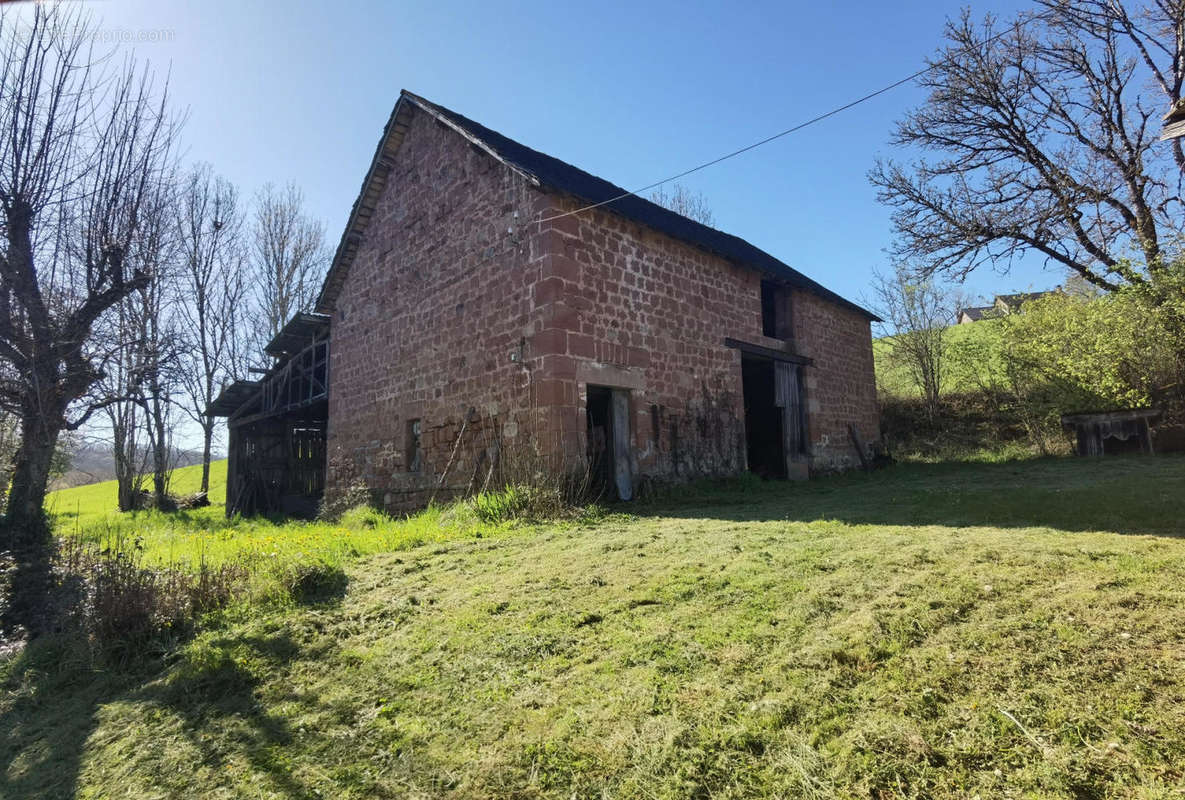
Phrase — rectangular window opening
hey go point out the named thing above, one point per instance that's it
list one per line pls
(775, 311)
(769, 310)
(414, 462)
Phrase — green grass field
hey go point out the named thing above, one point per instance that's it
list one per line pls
(188, 538)
(991, 630)
(96, 503)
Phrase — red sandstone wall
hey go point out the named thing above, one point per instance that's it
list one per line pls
(443, 311)
(840, 387)
(436, 301)
(636, 309)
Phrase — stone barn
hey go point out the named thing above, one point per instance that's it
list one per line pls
(495, 312)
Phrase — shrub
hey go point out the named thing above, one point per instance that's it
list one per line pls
(1106, 352)
(1066, 353)
(552, 499)
(354, 493)
(503, 504)
(122, 606)
(364, 517)
(970, 426)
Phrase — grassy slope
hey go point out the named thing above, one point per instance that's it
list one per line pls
(862, 636)
(96, 503)
(958, 376)
(184, 539)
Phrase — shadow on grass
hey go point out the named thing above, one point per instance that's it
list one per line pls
(1130, 495)
(216, 687)
(319, 585)
(51, 713)
(46, 716)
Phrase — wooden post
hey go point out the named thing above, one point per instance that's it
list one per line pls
(858, 443)
(232, 470)
(1146, 437)
(452, 456)
(619, 423)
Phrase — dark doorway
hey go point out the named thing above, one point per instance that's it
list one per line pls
(763, 419)
(598, 438)
(1115, 446)
(608, 441)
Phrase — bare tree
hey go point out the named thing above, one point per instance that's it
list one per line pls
(121, 385)
(916, 314)
(682, 200)
(212, 290)
(160, 340)
(1042, 137)
(84, 148)
(137, 392)
(290, 258)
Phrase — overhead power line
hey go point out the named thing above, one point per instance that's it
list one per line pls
(812, 121)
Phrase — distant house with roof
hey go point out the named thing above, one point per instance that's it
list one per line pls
(1002, 305)
(493, 308)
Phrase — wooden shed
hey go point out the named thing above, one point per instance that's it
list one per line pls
(276, 453)
(1107, 433)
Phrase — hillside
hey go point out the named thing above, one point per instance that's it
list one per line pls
(97, 502)
(94, 463)
(963, 372)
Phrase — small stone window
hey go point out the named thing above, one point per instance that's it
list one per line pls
(414, 462)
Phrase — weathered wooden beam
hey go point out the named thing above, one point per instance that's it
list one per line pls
(767, 352)
(858, 443)
(1172, 130)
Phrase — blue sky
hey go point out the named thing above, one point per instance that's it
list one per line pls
(632, 92)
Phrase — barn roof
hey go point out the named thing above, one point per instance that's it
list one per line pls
(231, 397)
(544, 170)
(296, 334)
(976, 313)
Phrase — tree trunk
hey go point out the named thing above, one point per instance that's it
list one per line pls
(160, 454)
(207, 438)
(26, 529)
(124, 453)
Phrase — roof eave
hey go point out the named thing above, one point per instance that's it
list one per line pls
(376, 179)
(786, 273)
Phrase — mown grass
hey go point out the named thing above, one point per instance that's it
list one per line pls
(186, 539)
(1000, 630)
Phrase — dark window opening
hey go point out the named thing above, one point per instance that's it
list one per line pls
(769, 309)
(775, 311)
(414, 461)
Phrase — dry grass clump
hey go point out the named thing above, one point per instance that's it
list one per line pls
(124, 606)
